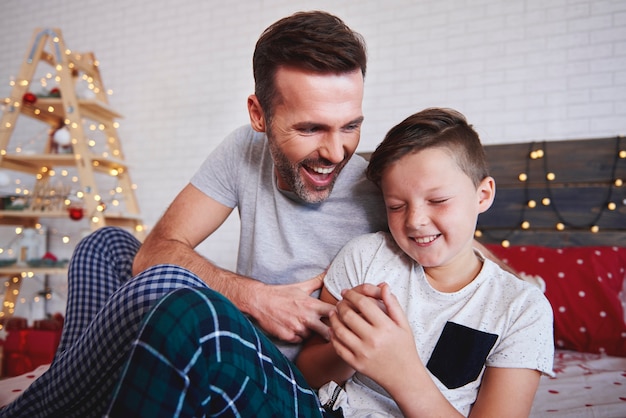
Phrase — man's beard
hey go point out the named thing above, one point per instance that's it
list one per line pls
(290, 174)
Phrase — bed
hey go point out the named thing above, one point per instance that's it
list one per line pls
(572, 243)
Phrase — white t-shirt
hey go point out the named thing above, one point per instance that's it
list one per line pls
(497, 320)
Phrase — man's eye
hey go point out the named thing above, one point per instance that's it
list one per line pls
(309, 130)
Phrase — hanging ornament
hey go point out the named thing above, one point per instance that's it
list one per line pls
(62, 137)
(76, 213)
(29, 98)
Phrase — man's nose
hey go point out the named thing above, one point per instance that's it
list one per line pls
(332, 148)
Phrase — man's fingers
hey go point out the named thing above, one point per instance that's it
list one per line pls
(313, 284)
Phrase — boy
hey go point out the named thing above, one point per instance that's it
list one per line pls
(430, 326)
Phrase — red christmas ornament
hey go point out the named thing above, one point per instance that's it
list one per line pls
(29, 98)
(55, 92)
(76, 213)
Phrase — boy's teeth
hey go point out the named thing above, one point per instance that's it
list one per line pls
(425, 240)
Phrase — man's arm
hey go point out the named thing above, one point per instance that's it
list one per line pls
(287, 311)
(318, 361)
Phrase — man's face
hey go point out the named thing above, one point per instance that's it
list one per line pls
(315, 129)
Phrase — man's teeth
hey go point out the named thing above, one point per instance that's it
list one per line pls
(425, 240)
(323, 170)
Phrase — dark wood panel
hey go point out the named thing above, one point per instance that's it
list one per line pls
(585, 174)
(573, 161)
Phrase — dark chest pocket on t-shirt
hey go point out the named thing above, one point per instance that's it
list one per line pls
(460, 354)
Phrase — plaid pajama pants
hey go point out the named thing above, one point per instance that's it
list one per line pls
(104, 315)
(198, 356)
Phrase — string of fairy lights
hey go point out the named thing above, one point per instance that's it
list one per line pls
(538, 151)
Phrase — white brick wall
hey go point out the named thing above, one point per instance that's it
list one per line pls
(181, 71)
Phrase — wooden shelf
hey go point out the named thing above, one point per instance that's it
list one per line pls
(32, 163)
(50, 110)
(71, 112)
(28, 217)
(18, 269)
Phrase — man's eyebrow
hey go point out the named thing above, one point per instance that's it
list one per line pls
(356, 121)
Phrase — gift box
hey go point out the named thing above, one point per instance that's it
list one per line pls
(25, 349)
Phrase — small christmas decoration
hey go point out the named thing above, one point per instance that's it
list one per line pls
(76, 213)
(29, 98)
(60, 141)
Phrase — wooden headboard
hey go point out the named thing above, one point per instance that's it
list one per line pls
(557, 193)
(572, 193)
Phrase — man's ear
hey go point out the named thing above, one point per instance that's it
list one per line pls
(486, 193)
(257, 117)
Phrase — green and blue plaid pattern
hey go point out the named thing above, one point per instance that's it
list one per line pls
(198, 356)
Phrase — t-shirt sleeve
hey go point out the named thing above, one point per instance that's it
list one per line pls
(217, 177)
(529, 343)
(349, 268)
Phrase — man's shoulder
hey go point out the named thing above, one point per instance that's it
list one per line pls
(245, 136)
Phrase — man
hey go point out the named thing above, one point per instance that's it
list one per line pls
(300, 197)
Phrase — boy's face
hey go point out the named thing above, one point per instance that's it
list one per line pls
(315, 129)
(433, 206)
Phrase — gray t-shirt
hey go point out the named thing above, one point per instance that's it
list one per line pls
(284, 239)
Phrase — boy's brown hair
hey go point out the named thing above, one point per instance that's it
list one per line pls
(430, 128)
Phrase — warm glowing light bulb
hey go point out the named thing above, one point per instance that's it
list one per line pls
(611, 206)
(595, 229)
(522, 177)
(545, 201)
(560, 226)
(506, 243)
(525, 225)
(532, 203)
(551, 176)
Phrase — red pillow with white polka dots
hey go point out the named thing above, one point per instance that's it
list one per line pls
(585, 286)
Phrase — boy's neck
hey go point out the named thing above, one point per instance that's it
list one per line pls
(455, 275)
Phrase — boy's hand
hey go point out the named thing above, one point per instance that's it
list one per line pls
(371, 333)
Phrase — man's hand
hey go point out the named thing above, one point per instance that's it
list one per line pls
(289, 312)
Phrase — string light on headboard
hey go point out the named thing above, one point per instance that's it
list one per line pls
(554, 190)
(606, 204)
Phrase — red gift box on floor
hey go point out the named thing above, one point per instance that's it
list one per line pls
(29, 348)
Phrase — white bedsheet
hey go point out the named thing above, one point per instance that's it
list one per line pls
(12, 387)
(585, 386)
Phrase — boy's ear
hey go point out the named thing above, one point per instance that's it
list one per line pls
(257, 117)
(486, 193)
